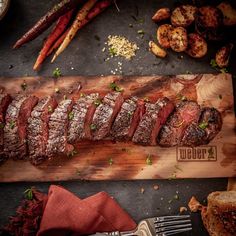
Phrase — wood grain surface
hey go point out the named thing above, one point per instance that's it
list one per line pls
(93, 161)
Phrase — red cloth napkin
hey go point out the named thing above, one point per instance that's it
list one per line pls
(66, 214)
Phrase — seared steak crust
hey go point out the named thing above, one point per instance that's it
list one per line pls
(5, 100)
(172, 132)
(151, 122)
(121, 127)
(82, 111)
(105, 115)
(58, 125)
(18, 112)
(37, 130)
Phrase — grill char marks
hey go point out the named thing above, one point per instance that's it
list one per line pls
(5, 100)
(125, 122)
(82, 114)
(171, 134)
(18, 112)
(58, 125)
(105, 115)
(152, 121)
(37, 130)
(194, 135)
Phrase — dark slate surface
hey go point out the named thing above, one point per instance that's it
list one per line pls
(85, 57)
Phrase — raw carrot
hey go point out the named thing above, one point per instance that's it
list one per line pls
(57, 31)
(45, 21)
(97, 9)
(75, 26)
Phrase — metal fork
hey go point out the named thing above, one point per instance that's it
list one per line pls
(157, 226)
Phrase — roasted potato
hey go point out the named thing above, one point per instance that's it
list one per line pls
(161, 14)
(223, 55)
(209, 17)
(163, 35)
(156, 50)
(183, 15)
(178, 39)
(197, 46)
(229, 13)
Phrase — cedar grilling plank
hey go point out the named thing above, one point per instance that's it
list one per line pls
(18, 112)
(172, 132)
(5, 100)
(122, 124)
(82, 114)
(58, 127)
(152, 121)
(37, 130)
(105, 115)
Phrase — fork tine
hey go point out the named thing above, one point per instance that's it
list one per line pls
(171, 227)
(173, 222)
(176, 231)
(168, 218)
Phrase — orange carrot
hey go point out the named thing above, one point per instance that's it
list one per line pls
(97, 9)
(83, 12)
(56, 32)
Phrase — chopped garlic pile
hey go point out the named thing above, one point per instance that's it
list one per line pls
(120, 46)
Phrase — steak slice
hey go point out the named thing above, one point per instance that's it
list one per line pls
(37, 130)
(105, 114)
(5, 100)
(18, 112)
(127, 120)
(82, 115)
(58, 126)
(171, 134)
(152, 121)
(209, 125)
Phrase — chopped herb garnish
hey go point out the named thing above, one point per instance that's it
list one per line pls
(112, 51)
(181, 97)
(12, 124)
(210, 153)
(115, 87)
(57, 90)
(146, 99)
(24, 86)
(1, 125)
(220, 96)
(29, 194)
(188, 72)
(216, 67)
(97, 37)
(82, 95)
(71, 115)
(57, 73)
(93, 127)
(173, 176)
(72, 153)
(50, 109)
(203, 125)
(97, 102)
(170, 201)
(141, 21)
(78, 172)
(64, 97)
(110, 161)
(176, 197)
(149, 159)
(178, 168)
(130, 113)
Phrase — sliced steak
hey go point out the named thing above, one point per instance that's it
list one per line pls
(5, 100)
(105, 114)
(58, 126)
(193, 136)
(82, 115)
(171, 134)
(121, 129)
(152, 121)
(17, 116)
(37, 130)
(209, 125)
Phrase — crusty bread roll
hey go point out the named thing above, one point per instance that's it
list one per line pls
(219, 217)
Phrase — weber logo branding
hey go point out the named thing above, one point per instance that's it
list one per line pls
(206, 153)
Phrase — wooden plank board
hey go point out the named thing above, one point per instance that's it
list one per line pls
(129, 161)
